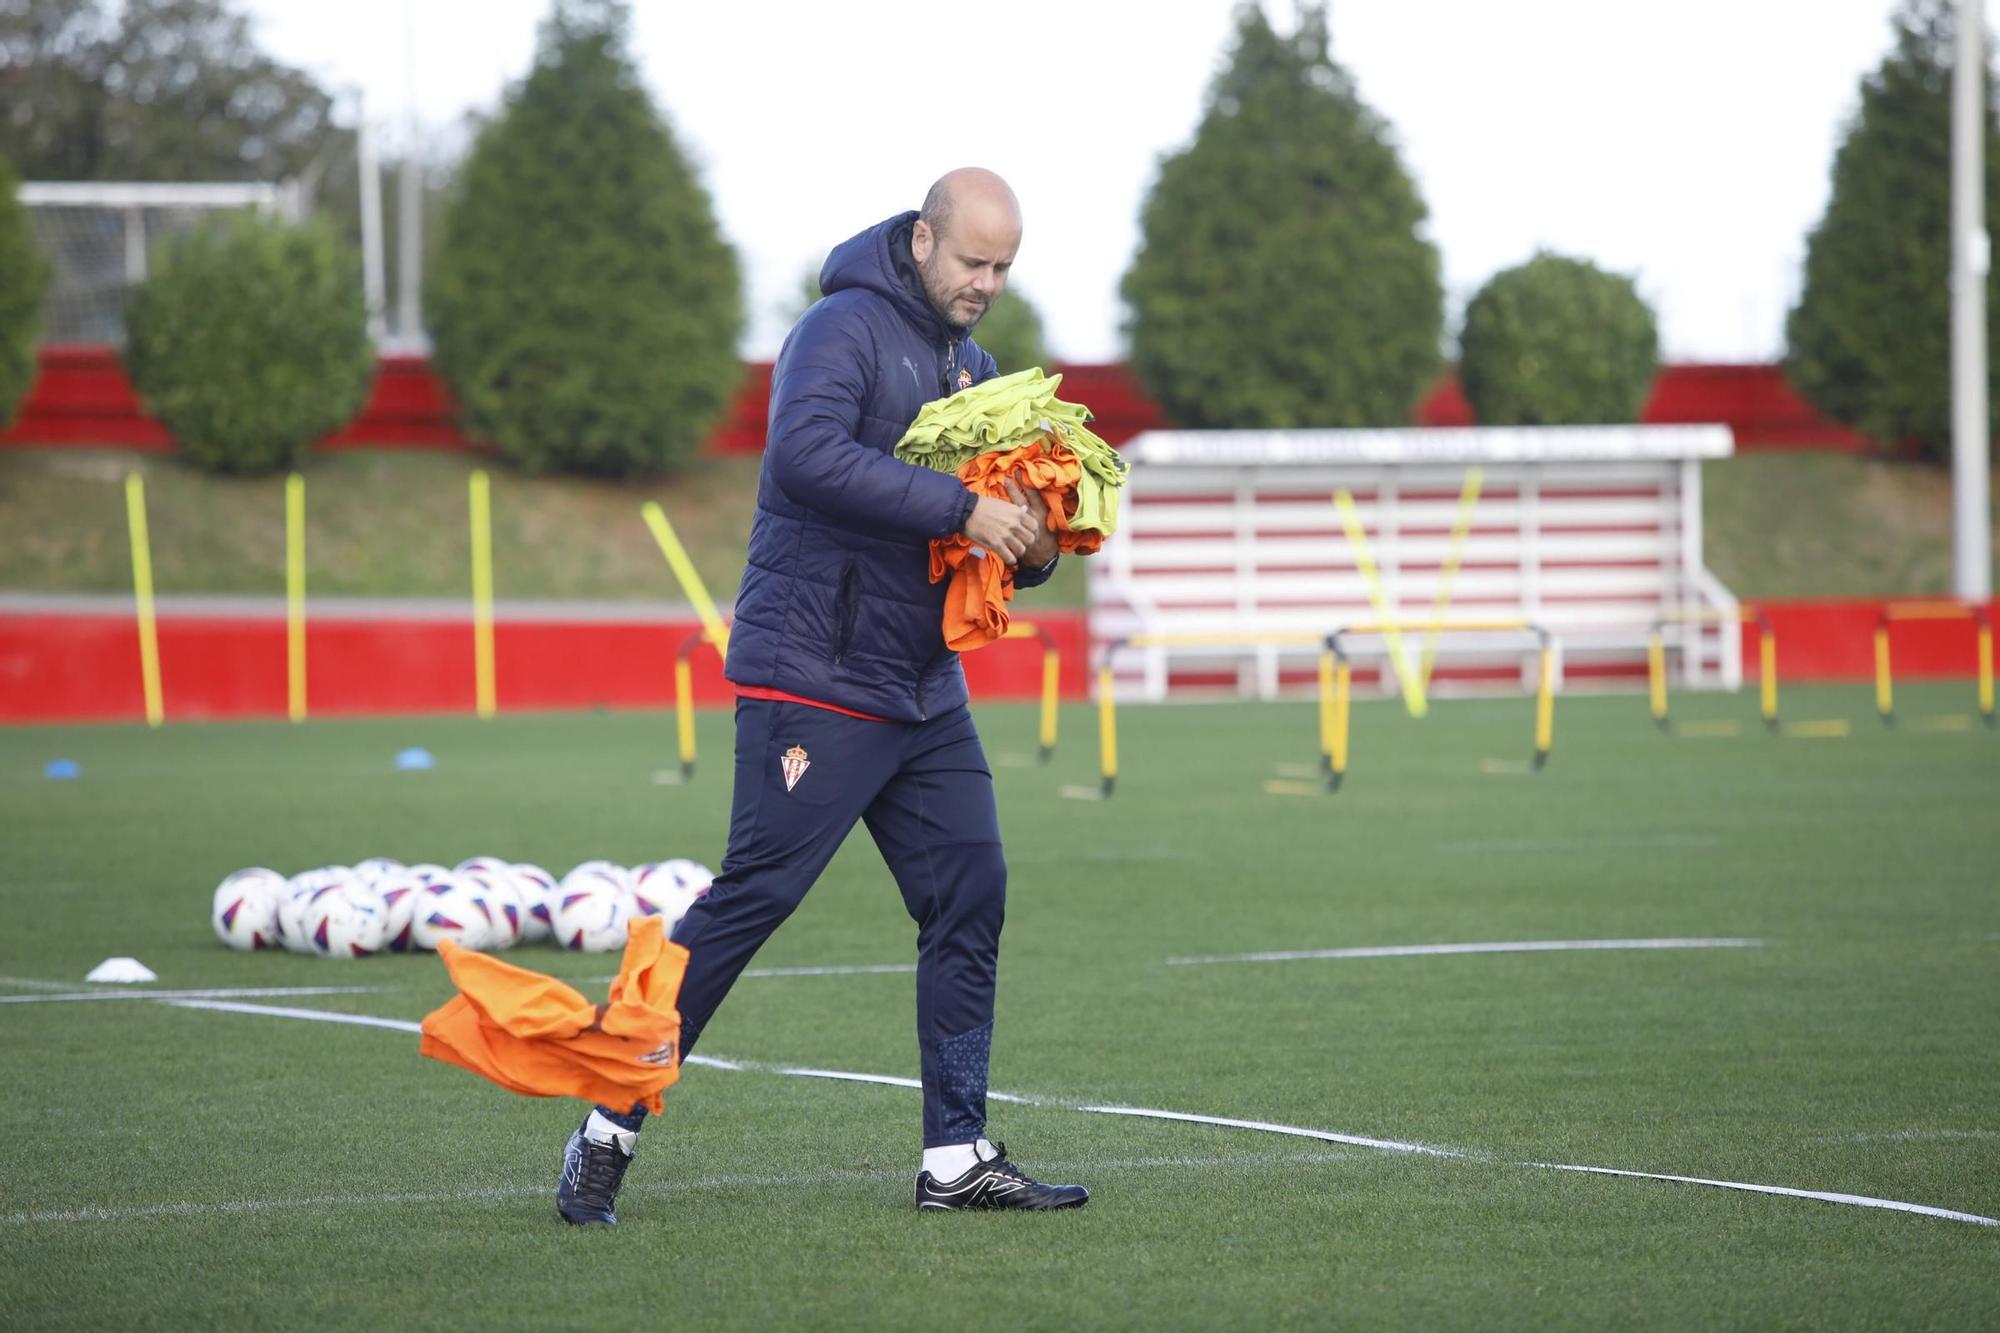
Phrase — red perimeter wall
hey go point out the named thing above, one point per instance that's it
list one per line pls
(70, 668)
(81, 397)
(76, 668)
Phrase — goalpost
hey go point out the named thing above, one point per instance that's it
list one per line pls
(97, 235)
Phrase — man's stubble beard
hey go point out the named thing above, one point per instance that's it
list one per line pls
(941, 306)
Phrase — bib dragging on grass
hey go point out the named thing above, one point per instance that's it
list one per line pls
(537, 1036)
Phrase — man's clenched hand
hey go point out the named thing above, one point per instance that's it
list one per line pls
(1043, 548)
(1004, 528)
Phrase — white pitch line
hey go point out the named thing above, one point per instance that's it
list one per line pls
(1265, 1126)
(1858, 1200)
(32, 983)
(673, 1185)
(251, 992)
(1261, 1126)
(1423, 950)
(1629, 842)
(310, 1015)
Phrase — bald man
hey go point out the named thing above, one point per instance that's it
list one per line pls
(850, 708)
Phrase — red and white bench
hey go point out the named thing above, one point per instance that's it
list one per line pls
(1592, 532)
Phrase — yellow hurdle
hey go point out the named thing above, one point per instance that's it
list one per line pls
(142, 592)
(295, 596)
(1107, 712)
(1337, 732)
(1885, 699)
(481, 494)
(1767, 661)
(1051, 682)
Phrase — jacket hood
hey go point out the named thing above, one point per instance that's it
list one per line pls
(880, 261)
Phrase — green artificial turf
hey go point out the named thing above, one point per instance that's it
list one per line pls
(171, 1167)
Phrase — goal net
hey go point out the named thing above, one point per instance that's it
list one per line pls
(97, 235)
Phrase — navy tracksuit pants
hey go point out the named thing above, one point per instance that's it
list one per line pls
(804, 776)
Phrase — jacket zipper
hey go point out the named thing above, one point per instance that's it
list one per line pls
(950, 367)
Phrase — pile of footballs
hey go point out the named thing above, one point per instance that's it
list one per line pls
(488, 903)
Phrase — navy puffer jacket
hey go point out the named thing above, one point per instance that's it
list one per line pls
(836, 604)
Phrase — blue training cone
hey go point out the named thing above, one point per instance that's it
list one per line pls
(57, 770)
(416, 759)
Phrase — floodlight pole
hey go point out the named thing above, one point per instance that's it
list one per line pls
(370, 171)
(1971, 443)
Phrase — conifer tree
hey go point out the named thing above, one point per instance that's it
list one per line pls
(1283, 278)
(584, 304)
(1869, 343)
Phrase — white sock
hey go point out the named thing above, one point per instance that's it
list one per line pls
(955, 1159)
(600, 1130)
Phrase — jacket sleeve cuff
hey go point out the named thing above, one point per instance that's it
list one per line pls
(1034, 578)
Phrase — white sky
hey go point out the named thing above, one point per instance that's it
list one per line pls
(1685, 143)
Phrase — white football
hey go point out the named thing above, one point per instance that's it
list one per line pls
(245, 911)
(298, 892)
(346, 921)
(668, 888)
(590, 913)
(504, 908)
(399, 892)
(611, 870)
(429, 873)
(450, 909)
(377, 868)
(537, 888)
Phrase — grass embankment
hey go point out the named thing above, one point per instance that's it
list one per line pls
(393, 524)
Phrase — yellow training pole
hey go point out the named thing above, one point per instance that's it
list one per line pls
(1051, 674)
(1326, 671)
(1545, 708)
(295, 596)
(1357, 538)
(1767, 671)
(1656, 676)
(691, 584)
(1986, 671)
(684, 710)
(481, 490)
(1107, 726)
(1343, 680)
(1461, 528)
(142, 591)
(1885, 701)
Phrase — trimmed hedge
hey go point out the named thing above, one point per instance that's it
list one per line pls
(1558, 342)
(24, 277)
(584, 305)
(249, 340)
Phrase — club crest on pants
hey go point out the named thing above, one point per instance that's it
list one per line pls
(794, 765)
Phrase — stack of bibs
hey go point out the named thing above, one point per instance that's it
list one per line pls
(1012, 428)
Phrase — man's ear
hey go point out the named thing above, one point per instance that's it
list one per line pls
(921, 241)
